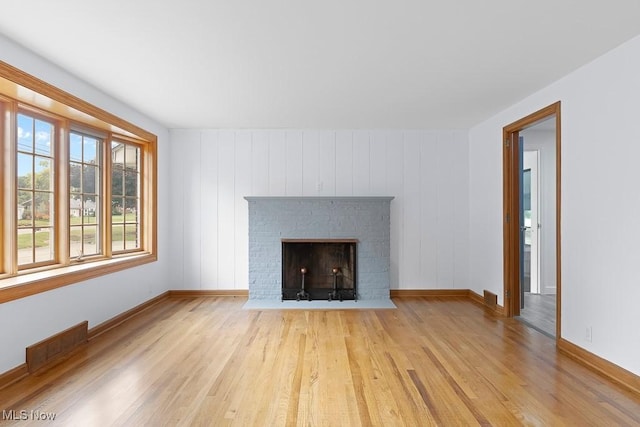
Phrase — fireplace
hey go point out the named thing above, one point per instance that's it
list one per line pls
(359, 224)
(319, 269)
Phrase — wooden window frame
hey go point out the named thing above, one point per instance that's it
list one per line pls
(56, 122)
(103, 139)
(140, 196)
(21, 91)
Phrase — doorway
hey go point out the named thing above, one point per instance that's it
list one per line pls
(531, 190)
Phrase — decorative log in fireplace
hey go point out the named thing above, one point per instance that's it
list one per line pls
(319, 269)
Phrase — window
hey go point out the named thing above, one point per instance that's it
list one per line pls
(125, 197)
(85, 212)
(77, 189)
(35, 186)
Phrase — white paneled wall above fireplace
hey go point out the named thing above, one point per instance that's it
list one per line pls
(213, 170)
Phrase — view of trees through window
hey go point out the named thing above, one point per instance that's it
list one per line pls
(36, 193)
(35, 178)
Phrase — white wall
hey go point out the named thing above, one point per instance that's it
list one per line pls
(426, 172)
(600, 202)
(28, 320)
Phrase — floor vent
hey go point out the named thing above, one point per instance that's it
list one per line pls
(57, 346)
(490, 299)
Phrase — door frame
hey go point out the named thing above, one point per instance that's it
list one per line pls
(511, 208)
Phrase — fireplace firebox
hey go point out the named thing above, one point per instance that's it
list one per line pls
(319, 269)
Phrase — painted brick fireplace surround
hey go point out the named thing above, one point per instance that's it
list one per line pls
(272, 219)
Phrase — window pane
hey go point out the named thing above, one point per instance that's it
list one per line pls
(43, 138)
(89, 210)
(25, 246)
(117, 155)
(117, 239)
(90, 154)
(75, 147)
(90, 179)
(75, 210)
(131, 236)
(25, 169)
(43, 173)
(90, 240)
(75, 178)
(25, 208)
(117, 183)
(25, 133)
(131, 184)
(44, 244)
(43, 209)
(132, 210)
(117, 210)
(75, 241)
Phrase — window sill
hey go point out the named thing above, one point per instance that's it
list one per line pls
(21, 286)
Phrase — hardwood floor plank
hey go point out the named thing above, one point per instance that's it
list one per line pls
(294, 391)
(360, 389)
(430, 402)
(457, 386)
(433, 361)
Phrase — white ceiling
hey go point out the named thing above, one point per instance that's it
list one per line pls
(323, 63)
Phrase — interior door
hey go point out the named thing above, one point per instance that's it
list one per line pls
(524, 183)
(531, 220)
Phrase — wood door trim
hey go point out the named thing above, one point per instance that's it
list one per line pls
(511, 251)
(511, 234)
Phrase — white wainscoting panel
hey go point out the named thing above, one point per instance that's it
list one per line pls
(425, 171)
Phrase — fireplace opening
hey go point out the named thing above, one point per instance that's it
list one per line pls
(315, 269)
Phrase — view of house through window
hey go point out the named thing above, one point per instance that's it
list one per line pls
(85, 171)
(37, 167)
(125, 196)
(36, 172)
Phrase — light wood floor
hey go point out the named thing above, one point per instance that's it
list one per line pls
(206, 361)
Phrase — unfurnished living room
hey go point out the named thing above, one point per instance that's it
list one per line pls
(332, 213)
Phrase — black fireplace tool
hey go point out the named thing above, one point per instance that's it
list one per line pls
(303, 294)
(335, 293)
